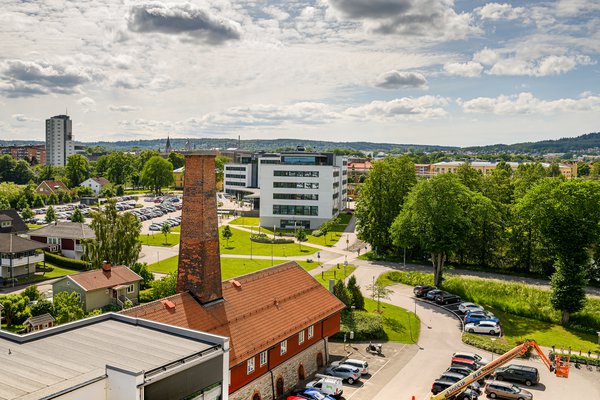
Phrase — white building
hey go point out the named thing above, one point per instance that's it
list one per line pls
(59, 140)
(96, 184)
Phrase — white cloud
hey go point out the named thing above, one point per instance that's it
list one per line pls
(24, 118)
(87, 104)
(543, 66)
(527, 103)
(123, 108)
(401, 80)
(496, 11)
(406, 108)
(469, 69)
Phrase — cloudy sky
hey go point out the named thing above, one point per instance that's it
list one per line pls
(402, 71)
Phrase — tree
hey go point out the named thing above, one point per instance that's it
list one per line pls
(42, 307)
(341, 292)
(358, 301)
(220, 162)
(469, 176)
(22, 203)
(22, 173)
(38, 201)
(119, 166)
(32, 293)
(583, 169)
(381, 198)
(166, 229)
(525, 177)
(379, 292)
(157, 173)
(4, 203)
(300, 236)
(142, 270)
(116, 237)
(27, 214)
(438, 216)
(53, 199)
(77, 216)
(119, 190)
(77, 169)
(567, 216)
(50, 215)
(226, 233)
(46, 173)
(67, 307)
(15, 309)
(177, 159)
(165, 287)
(554, 170)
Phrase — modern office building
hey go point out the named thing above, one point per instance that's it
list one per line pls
(59, 140)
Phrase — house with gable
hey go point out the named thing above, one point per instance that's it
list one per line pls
(67, 237)
(11, 222)
(96, 184)
(278, 319)
(48, 187)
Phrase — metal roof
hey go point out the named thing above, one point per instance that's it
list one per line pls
(65, 230)
(10, 243)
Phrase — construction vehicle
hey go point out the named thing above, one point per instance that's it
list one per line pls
(560, 367)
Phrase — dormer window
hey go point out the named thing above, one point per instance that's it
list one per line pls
(6, 224)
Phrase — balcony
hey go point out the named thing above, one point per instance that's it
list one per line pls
(18, 262)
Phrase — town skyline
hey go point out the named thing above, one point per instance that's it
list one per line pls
(437, 72)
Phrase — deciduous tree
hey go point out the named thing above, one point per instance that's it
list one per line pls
(157, 173)
(77, 169)
(226, 233)
(77, 216)
(67, 307)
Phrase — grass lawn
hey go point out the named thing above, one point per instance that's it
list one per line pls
(34, 226)
(54, 271)
(240, 243)
(176, 228)
(328, 240)
(334, 273)
(158, 239)
(230, 267)
(396, 322)
(247, 221)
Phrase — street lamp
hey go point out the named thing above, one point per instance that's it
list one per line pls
(347, 241)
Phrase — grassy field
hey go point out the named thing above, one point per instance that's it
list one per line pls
(230, 267)
(247, 221)
(158, 239)
(240, 243)
(524, 311)
(334, 273)
(54, 271)
(34, 226)
(396, 322)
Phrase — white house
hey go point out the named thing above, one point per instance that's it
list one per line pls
(96, 184)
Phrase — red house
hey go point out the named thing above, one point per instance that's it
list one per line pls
(66, 237)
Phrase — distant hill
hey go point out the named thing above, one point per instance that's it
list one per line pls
(589, 142)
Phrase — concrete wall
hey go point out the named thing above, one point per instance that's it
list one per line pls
(93, 391)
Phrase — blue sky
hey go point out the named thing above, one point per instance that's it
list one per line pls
(403, 71)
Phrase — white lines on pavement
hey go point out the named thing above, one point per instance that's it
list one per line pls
(376, 372)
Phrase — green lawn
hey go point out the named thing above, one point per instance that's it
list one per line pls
(230, 267)
(328, 240)
(396, 322)
(54, 271)
(176, 228)
(158, 239)
(240, 243)
(247, 221)
(34, 226)
(334, 273)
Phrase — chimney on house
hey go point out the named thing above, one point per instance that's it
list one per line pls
(106, 266)
(199, 259)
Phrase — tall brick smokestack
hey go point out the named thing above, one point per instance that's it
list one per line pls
(199, 261)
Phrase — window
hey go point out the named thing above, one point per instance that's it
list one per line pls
(301, 337)
(131, 288)
(250, 366)
(52, 240)
(295, 210)
(305, 174)
(231, 183)
(296, 185)
(311, 331)
(235, 176)
(295, 196)
(283, 348)
(263, 358)
(230, 168)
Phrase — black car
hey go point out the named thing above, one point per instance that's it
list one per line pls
(518, 373)
(452, 377)
(432, 293)
(440, 385)
(447, 298)
(421, 290)
(464, 371)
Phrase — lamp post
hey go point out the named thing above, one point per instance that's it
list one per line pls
(251, 232)
(347, 242)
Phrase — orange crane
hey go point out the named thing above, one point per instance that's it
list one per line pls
(560, 368)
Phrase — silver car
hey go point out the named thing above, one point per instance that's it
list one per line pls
(346, 372)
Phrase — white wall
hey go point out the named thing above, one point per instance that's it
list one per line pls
(94, 391)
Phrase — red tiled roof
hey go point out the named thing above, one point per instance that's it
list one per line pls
(55, 184)
(267, 307)
(98, 279)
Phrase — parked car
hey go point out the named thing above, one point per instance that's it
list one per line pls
(346, 372)
(504, 390)
(471, 356)
(467, 306)
(421, 290)
(452, 377)
(518, 373)
(362, 365)
(464, 371)
(441, 385)
(330, 386)
(493, 328)
(474, 316)
(311, 394)
(432, 293)
(463, 362)
(447, 298)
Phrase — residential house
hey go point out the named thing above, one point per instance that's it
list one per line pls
(114, 357)
(11, 222)
(18, 256)
(178, 177)
(66, 237)
(97, 184)
(278, 319)
(101, 287)
(48, 187)
(39, 322)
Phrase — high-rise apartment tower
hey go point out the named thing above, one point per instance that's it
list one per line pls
(59, 140)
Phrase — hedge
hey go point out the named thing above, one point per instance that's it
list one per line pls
(264, 239)
(365, 325)
(498, 345)
(66, 262)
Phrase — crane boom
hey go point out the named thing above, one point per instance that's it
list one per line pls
(562, 369)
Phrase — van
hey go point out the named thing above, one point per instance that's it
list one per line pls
(327, 385)
(518, 373)
(363, 366)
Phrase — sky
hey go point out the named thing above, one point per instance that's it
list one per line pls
(443, 72)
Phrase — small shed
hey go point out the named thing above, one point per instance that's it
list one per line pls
(39, 322)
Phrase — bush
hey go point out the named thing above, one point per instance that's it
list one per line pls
(66, 262)
(366, 326)
(407, 278)
(317, 233)
(262, 238)
(498, 346)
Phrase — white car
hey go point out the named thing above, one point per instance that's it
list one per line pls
(362, 365)
(465, 307)
(491, 327)
(327, 385)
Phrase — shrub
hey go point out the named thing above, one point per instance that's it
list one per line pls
(317, 233)
(498, 346)
(407, 278)
(262, 238)
(66, 262)
(366, 326)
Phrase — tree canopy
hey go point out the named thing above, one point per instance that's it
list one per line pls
(157, 173)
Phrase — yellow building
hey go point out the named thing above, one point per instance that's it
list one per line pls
(178, 177)
(485, 167)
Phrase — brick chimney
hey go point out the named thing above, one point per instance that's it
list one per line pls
(106, 267)
(199, 261)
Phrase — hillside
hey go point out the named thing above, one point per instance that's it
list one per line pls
(589, 142)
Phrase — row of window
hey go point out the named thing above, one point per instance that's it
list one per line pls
(232, 183)
(235, 176)
(295, 196)
(295, 210)
(232, 168)
(296, 185)
(302, 174)
(250, 365)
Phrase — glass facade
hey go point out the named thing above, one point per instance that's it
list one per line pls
(295, 196)
(296, 185)
(302, 174)
(295, 210)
